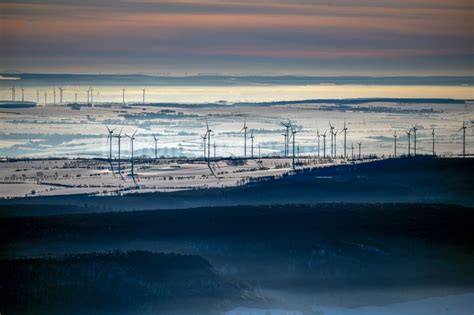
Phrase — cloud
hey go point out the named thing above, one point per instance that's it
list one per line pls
(293, 32)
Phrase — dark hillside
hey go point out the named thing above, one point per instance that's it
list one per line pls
(414, 180)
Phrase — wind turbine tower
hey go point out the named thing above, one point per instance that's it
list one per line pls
(244, 128)
(143, 96)
(319, 136)
(409, 144)
(463, 128)
(54, 96)
(287, 136)
(415, 128)
(324, 144)
(13, 93)
(208, 143)
(345, 137)
(433, 139)
(109, 139)
(156, 146)
(331, 131)
(395, 144)
(22, 94)
(352, 151)
(61, 90)
(123, 96)
(360, 153)
(132, 138)
(335, 143)
(251, 144)
(45, 98)
(119, 137)
(293, 135)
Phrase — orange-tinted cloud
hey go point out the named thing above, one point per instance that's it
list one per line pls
(299, 29)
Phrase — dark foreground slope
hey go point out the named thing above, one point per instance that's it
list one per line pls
(420, 180)
(130, 282)
(338, 254)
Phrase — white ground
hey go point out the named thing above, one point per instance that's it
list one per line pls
(63, 132)
(60, 177)
(59, 131)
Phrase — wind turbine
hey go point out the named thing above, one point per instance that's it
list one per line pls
(433, 139)
(143, 96)
(319, 136)
(13, 93)
(352, 151)
(214, 150)
(22, 94)
(209, 131)
(54, 96)
(335, 142)
(259, 156)
(132, 138)
(244, 128)
(92, 96)
(61, 90)
(324, 143)
(156, 146)
(360, 144)
(331, 131)
(204, 137)
(37, 96)
(109, 139)
(119, 137)
(251, 141)
(293, 135)
(123, 96)
(415, 128)
(395, 144)
(463, 128)
(45, 98)
(286, 135)
(409, 137)
(345, 136)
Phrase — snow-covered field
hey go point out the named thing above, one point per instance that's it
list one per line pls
(64, 177)
(61, 131)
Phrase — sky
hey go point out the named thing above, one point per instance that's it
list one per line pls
(242, 37)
